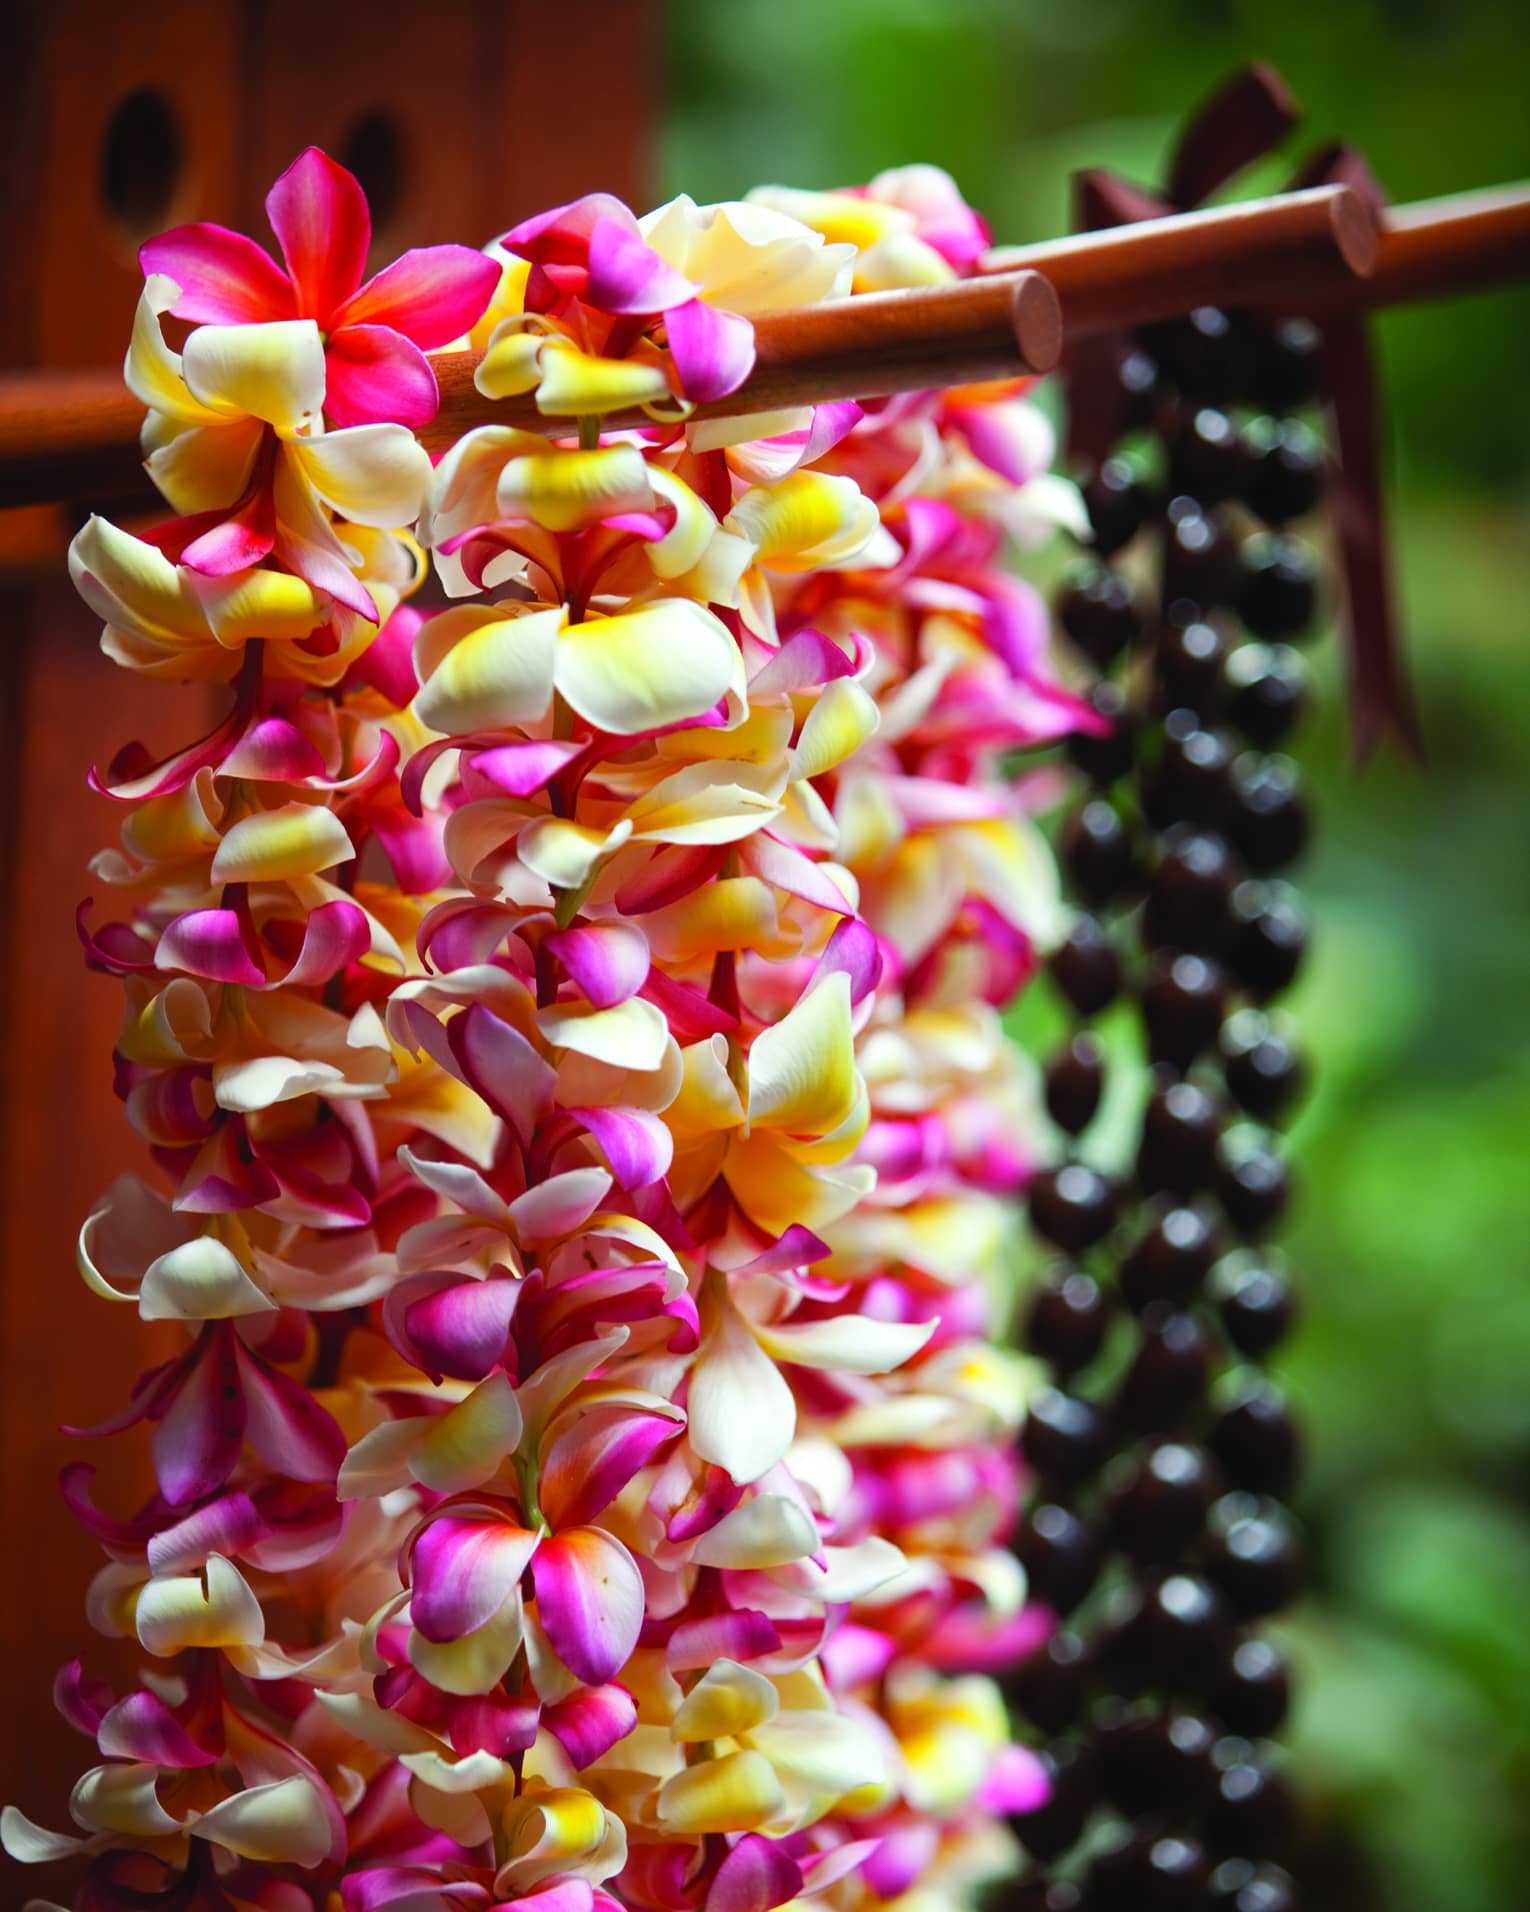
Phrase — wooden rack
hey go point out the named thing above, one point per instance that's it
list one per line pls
(74, 436)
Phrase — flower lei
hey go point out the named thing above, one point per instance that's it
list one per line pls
(566, 1030)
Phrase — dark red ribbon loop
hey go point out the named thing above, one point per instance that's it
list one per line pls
(1245, 119)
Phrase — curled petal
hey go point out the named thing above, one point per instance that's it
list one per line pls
(464, 1570)
(214, 1608)
(713, 350)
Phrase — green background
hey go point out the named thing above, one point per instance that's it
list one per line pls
(1412, 1367)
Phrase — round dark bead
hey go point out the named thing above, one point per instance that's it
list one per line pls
(1252, 1555)
(1147, 1872)
(1283, 470)
(1200, 557)
(1159, 1506)
(1189, 891)
(1268, 937)
(1263, 1072)
(1123, 1648)
(1250, 1810)
(1252, 1690)
(1072, 1206)
(1286, 367)
(1264, 691)
(1036, 1895)
(1075, 1079)
(1267, 815)
(1256, 1302)
(1118, 504)
(1095, 850)
(1253, 1185)
(1180, 1127)
(1168, 1373)
(1086, 967)
(1099, 612)
(1187, 662)
(1278, 594)
(1151, 1763)
(1067, 1321)
(1205, 354)
(1060, 1554)
(1206, 457)
(1105, 759)
(1183, 1002)
(1049, 1830)
(1138, 378)
(1238, 1885)
(1189, 781)
(1064, 1438)
(1170, 1260)
(1187, 1630)
(1254, 1439)
(1049, 1686)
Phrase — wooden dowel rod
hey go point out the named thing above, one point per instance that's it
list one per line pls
(66, 434)
(868, 347)
(70, 436)
(1445, 248)
(1286, 252)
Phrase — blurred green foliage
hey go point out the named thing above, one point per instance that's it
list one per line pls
(1412, 1238)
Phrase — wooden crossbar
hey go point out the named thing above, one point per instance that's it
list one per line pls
(74, 436)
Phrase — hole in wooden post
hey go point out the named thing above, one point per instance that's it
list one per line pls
(140, 162)
(374, 151)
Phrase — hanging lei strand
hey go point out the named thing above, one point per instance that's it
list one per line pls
(565, 1029)
(1160, 1453)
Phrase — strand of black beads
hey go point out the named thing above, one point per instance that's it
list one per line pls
(1156, 1518)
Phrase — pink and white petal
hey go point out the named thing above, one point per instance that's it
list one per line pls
(742, 1413)
(228, 1525)
(590, 1722)
(627, 275)
(319, 215)
(306, 541)
(431, 294)
(560, 1204)
(224, 277)
(463, 1570)
(335, 936)
(713, 350)
(501, 1064)
(756, 1876)
(197, 1442)
(1017, 1782)
(806, 660)
(771, 1531)
(589, 1601)
(458, 1330)
(853, 948)
(209, 943)
(587, 1464)
(285, 1424)
(635, 1142)
(609, 961)
(143, 1727)
(373, 373)
(235, 545)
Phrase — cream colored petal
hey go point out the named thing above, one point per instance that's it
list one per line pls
(371, 474)
(297, 839)
(272, 372)
(212, 1608)
(482, 669)
(649, 668)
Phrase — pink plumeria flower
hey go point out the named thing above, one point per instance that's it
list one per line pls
(376, 335)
